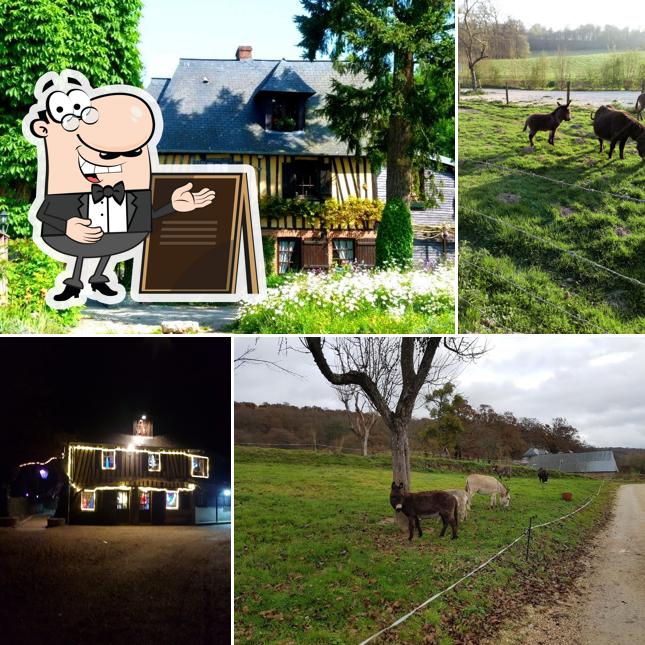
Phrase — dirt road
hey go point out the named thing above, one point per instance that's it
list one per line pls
(607, 604)
(550, 97)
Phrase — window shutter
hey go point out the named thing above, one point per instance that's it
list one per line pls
(365, 252)
(315, 254)
(288, 180)
(325, 181)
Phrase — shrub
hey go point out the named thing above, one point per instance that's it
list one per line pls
(30, 273)
(394, 237)
(17, 211)
(268, 248)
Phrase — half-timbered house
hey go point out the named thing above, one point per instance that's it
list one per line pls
(266, 113)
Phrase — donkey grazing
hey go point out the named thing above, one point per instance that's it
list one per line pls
(416, 505)
(547, 122)
(616, 127)
(543, 475)
(485, 485)
(502, 471)
(640, 106)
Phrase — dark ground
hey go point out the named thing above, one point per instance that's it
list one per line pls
(115, 584)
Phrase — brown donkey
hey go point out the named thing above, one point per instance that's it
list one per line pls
(416, 505)
(547, 122)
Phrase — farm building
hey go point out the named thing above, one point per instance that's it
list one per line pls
(532, 452)
(134, 480)
(265, 113)
(598, 461)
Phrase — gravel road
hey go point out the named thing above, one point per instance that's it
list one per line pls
(550, 97)
(607, 604)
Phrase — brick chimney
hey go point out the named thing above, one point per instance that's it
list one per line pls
(244, 52)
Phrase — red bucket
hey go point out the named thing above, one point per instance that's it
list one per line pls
(567, 497)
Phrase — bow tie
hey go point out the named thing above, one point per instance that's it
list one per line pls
(117, 192)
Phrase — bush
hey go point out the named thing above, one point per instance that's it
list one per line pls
(17, 211)
(268, 248)
(394, 237)
(30, 273)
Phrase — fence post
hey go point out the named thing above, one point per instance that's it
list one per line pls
(568, 90)
(507, 93)
(528, 538)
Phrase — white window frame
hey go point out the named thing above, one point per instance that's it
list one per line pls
(192, 466)
(176, 506)
(103, 451)
(93, 497)
(127, 500)
(154, 470)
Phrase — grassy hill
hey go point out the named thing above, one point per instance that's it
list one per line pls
(520, 281)
(589, 71)
(318, 558)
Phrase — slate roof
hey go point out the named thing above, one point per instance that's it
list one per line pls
(209, 106)
(599, 461)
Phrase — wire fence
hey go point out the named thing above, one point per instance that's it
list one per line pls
(470, 574)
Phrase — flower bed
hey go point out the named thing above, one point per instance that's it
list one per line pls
(354, 300)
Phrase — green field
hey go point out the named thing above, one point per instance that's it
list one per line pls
(514, 280)
(318, 558)
(589, 71)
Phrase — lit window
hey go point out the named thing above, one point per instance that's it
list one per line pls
(199, 467)
(88, 499)
(108, 459)
(122, 499)
(288, 254)
(172, 500)
(343, 250)
(154, 462)
(144, 502)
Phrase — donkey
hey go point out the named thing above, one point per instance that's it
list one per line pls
(502, 471)
(543, 475)
(416, 505)
(547, 122)
(616, 127)
(485, 485)
(640, 106)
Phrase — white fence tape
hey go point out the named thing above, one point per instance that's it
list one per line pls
(474, 571)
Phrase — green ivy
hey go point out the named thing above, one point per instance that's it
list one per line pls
(395, 236)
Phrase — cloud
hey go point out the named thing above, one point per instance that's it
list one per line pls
(595, 382)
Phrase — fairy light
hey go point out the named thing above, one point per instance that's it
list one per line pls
(37, 463)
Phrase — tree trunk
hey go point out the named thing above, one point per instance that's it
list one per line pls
(473, 77)
(365, 440)
(400, 455)
(399, 139)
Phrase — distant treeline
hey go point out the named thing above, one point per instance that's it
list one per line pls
(584, 38)
(486, 434)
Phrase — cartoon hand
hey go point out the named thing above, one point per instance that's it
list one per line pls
(183, 201)
(79, 230)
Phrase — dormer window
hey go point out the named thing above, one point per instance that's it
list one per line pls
(199, 467)
(108, 459)
(287, 113)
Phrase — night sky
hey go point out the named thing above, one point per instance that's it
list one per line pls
(57, 389)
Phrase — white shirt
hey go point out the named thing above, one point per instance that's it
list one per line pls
(109, 215)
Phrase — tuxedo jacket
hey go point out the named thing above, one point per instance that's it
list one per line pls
(57, 209)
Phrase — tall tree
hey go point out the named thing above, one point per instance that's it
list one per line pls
(446, 427)
(476, 32)
(392, 372)
(386, 42)
(359, 414)
(97, 37)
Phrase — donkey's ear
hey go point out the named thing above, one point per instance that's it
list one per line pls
(558, 102)
(393, 484)
(568, 102)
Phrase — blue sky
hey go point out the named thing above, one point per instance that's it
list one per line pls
(171, 29)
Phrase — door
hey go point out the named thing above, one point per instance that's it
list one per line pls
(158, 507)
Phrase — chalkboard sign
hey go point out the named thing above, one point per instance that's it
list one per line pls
(211, 254)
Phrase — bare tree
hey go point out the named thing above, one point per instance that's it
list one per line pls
(476, 29)
(392, 372)
(361, 418)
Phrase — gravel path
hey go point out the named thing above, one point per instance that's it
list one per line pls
(143, 318)
(607, 604)
(550, 97)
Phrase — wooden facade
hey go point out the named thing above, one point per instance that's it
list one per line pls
(314, 247)
(116, 484)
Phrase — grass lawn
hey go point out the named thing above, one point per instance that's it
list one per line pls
(318, 558)
(596, 70)
(517, 281)
(115, 584)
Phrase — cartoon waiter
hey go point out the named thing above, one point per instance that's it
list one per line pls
(95, 148)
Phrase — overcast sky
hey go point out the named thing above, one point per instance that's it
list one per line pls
(596, 382)
(573, 13)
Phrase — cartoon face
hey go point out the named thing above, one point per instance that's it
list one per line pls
(98, 140)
